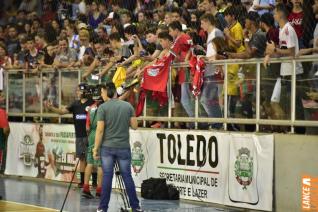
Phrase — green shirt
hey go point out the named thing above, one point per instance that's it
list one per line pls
(116, 115)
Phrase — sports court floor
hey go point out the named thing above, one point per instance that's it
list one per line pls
(20, 194)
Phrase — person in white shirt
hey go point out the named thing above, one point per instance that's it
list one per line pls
(209, 95)
(288, 47)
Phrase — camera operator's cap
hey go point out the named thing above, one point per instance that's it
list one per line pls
(82, 26)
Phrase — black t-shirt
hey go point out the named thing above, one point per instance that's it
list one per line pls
(79, 116)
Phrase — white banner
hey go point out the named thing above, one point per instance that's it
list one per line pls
(250, 179)
(195, 162)
(225, 168)
(44, 151)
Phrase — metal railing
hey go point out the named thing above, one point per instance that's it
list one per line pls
(31, 89)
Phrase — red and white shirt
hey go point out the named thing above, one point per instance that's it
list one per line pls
(288, 39)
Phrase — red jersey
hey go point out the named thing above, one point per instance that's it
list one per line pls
(296, 19)
(180, 49)
(3, 119)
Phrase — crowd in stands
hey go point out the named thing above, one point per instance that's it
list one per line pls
(37, 34)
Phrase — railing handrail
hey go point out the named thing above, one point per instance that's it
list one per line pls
(225, 120)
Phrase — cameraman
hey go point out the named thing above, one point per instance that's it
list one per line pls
(114, 117)
(78, 108)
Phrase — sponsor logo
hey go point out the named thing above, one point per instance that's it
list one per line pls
(200, 151)
(27, 150)
(137, 157)
(80, 117)
(244, 167)
(153, 72)
(309, 193)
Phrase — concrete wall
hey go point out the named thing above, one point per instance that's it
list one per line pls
(295, 156)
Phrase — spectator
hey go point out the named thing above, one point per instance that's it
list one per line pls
(209, 98)
(255, 44)
(49, 56)
(255, 39)
(167, 19)
(73, 38)
(102, 33)
(40, 42)
(28, 5)
(12, 42)
(176, 16)
(181, 51)
(95, 17)
(125, 18)
(222, 48)
(100, 59)
(295, 18)
(86, 52)
(118, 28)
(33, 55)
(308, 23)
(65, 56)
(267, 24)
(121, 51)
(263, 6)
(234, 31)
(288, 46)
(4, 134)
(209, 6)
(5, 60)
(141, 17)
(56, 26)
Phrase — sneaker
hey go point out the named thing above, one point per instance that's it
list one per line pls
(87, 195)
(100, 210)
(98, 195)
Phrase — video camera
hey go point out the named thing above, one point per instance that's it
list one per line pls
(90, 91)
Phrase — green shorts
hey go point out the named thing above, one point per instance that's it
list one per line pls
(90, 158)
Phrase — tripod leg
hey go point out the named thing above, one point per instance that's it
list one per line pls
(122, 186)
(69, 186)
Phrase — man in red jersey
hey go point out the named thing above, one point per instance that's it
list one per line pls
(181, 50)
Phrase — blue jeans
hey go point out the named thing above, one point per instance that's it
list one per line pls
(123, 157)
(209, 99)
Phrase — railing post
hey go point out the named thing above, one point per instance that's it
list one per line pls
(60, 92)
(23, 91)
(258, 95)
(293, 97)
(41, 96)
(144, 123)
(196, 112)
(225, 96)
(7, 91)
(170, 96)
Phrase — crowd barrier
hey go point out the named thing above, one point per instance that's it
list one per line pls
(26, 93)
(268, 172)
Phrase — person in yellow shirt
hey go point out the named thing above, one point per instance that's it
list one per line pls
(234, 31)
(222, 48)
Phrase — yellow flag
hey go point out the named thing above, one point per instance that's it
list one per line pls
(119, 76)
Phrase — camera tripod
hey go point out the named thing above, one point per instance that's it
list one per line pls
(122, 189)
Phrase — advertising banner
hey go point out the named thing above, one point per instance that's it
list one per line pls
(43, 151)
(218, 167)
(250, 178)
(195, 162)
